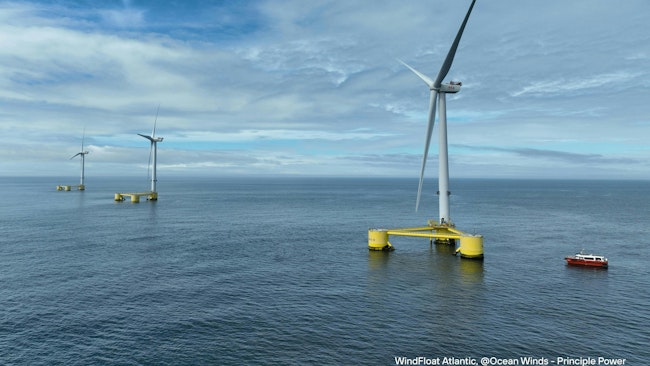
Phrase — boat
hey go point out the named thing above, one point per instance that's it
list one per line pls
(589, 260)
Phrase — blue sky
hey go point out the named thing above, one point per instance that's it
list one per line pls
(551, 89)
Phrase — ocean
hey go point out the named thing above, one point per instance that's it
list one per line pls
(276, 271)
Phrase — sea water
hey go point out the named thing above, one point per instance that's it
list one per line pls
(276, 271)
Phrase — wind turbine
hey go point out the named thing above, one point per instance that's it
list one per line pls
(82, 153)
(154, 146)
(438, 92)
(470, 245)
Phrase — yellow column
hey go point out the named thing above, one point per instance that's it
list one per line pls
(378, 240)
(471, 246)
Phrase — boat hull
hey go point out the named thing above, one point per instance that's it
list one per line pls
(585, 263)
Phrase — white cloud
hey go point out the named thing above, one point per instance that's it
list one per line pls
(271, 134)
(314, 87)
(611, 81)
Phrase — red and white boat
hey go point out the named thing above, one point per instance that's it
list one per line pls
(589, 260)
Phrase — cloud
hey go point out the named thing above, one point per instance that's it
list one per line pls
(612, 81)
(124, 18)
(315, 88)
(559, 156)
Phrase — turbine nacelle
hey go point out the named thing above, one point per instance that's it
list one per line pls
(452, 87)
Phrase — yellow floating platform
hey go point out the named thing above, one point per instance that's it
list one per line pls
(80, 187)
(135, 197)
(470, 246)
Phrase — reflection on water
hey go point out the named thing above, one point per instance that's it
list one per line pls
(471, 271)
(439, 261)
(378, 259)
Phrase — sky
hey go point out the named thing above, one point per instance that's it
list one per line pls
(551, 89)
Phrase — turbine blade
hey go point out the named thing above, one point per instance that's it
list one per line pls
(147, 137)
(452, 51)
(83, 137)
(153, 132)
(75, 155)
(424, 78)
(427, 142)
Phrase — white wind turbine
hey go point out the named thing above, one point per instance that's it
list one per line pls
(82, 153)
(154, 147)
(438, 91)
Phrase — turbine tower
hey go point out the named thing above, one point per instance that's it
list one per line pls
(438, 92)
(154, 147)
(82, 153)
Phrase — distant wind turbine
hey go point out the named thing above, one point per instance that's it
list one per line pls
(154, 148)
(438, 91)
(82, 153)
